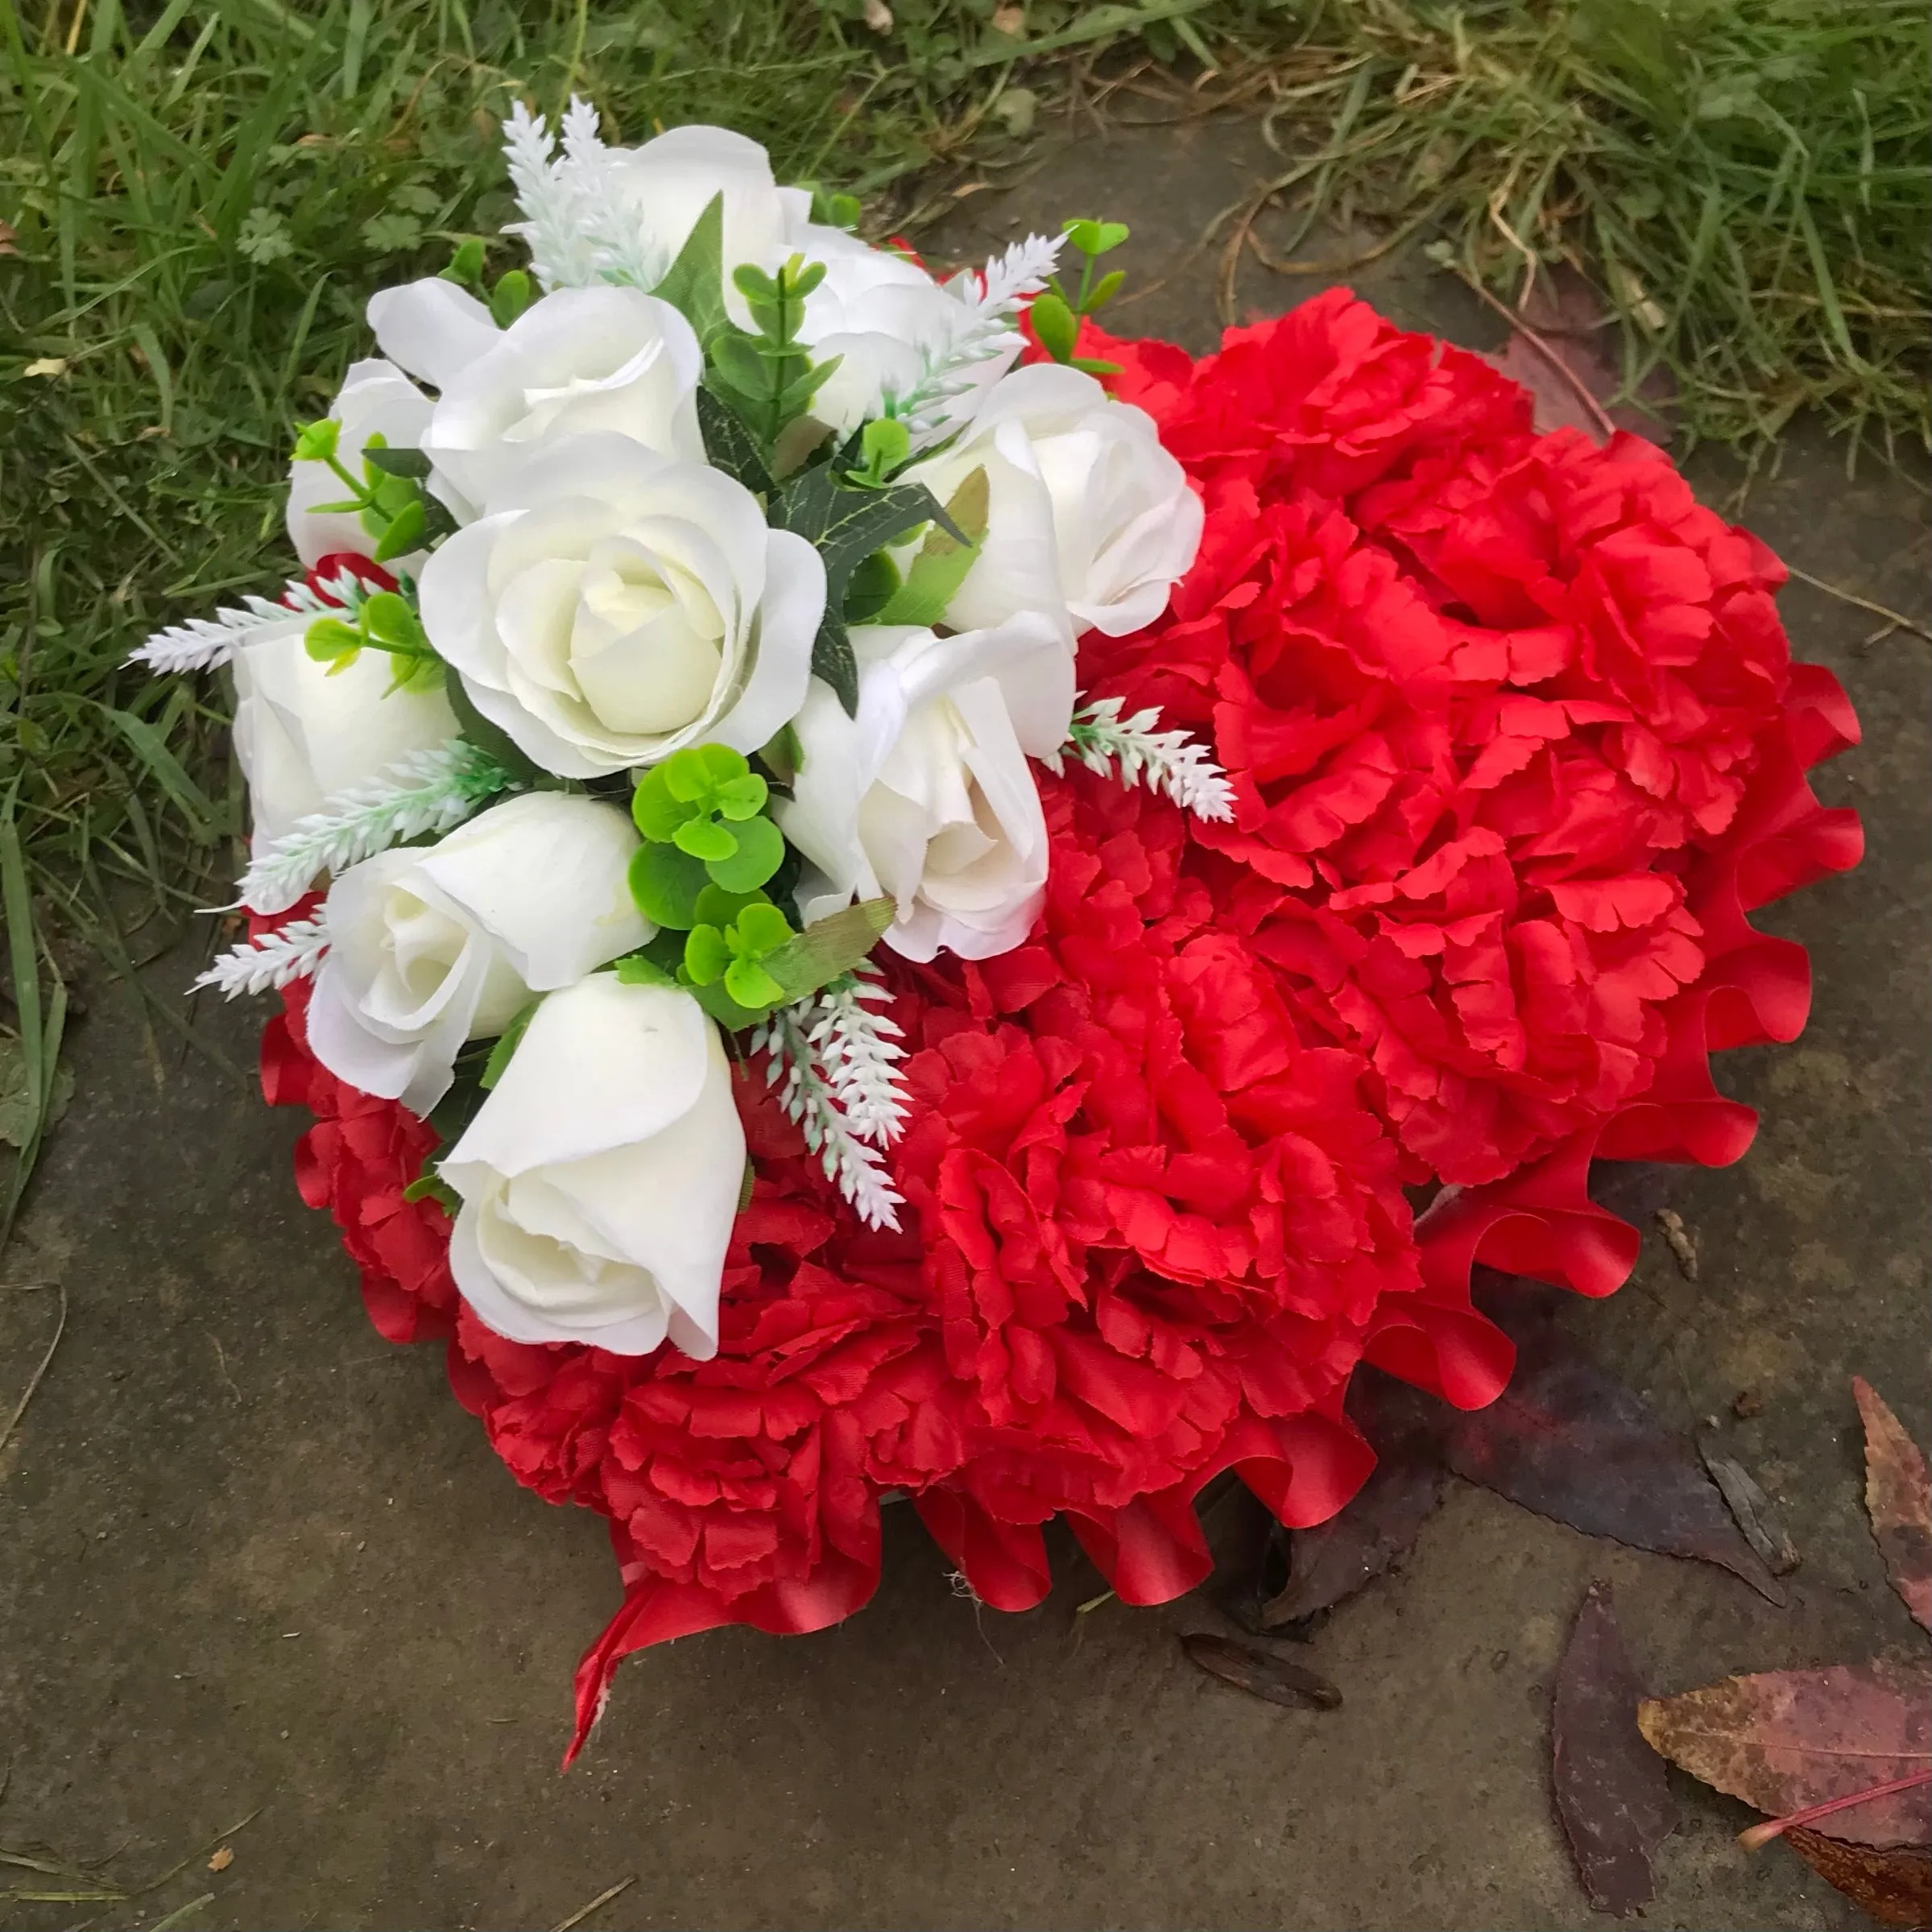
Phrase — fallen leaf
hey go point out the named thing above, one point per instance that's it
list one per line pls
(1571, 1442)
(47, 365)
(1335, 1559)
(1680, 1240)
(878, 16)
(1746, 1403)
(1554, 400)
(1894, 1885)
(1612, 1794)
(222, 1858)
(1260, 1673)
(1010, 20)
(1785, 1739)
(1751, 1511)
(1899, 1498)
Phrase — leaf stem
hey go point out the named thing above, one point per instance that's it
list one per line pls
(1776, 1827)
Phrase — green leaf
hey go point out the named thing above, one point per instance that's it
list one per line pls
(725, 1010)
(784, 753)
(1054, 324)
(751, 985)
(746, 1183)
(798, 442)
(716, 906)
(833, 661)
(734, 355)
(466, 265)
(762, 928)
(430, 1185)
(740, 798)
(703, 837)
(410, 463)
(1104, 291)
(507, 1043)
(328, 638)
(388, 618)
(1094, 237)
(655, 813)
(872, 588)
(636, 969)
(760, 850)
(729, 443)
(943, 561)
(694, 283)
(706, 954)
(829, 947)
(1092, 366)
(665, 883)
(404, 533)
(316, 442)
(510, 297)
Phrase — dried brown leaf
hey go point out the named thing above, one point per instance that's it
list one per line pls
(222, 1858)
(1899, 1498)
(1335, 1559)
(1785, 1739)
(1612, 1794)
(1569, 1441)
(1894, 1885)
(1751, 1511)
(1260, 1673)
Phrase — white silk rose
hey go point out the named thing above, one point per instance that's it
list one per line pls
(376, 399)
(1086, 511)
(926, 796)
(620, 605)
(304, 732)
(430, 948)
(600, 1178)
(581, 359)
(887, 321)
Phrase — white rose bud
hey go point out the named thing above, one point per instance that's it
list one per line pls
(581, 359)
(303, 734)
(1087, 513)
(432, 947)
(376, 399)
(926, 796)
(621, 605)
(888, 321)
(600, 1178)
(667, 185)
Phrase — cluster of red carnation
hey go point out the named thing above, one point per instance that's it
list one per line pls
(1515, 744)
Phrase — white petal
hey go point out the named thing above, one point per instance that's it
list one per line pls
(431, 328)
(789, 617)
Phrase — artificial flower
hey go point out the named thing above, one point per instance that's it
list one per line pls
(926, 796)
(431, 947)
(619, 605)
(600, 1177)
(376, 400)
(304, 731)
(1086, 511)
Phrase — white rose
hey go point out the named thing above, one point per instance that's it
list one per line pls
(303, 735)
(888, 320)
(376, 399)
(581, 359)
(666, 184)
(431, 328)
(926, 796)
(621, 605)
(1087, 510)
(600, 1178)
(430, 948)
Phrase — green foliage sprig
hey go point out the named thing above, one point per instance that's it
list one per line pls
(1058, 315)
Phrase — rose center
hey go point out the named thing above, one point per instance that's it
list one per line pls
(420, 947)
(647, 641)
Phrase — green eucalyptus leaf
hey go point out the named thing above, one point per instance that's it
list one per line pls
(388, 619)
(510, 297)
(741, 797)
(829, 947)
(634, 969)
(704, 838)
(404, 533)
(718, 1003)
(716, 906)
(706, 954)
(1104, 291)
(751, 985)
(316, 442)
(1054, 324)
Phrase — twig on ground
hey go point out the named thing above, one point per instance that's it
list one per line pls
(1598, 414)
(1895, 620)
(603, 1898)
(35, 1288)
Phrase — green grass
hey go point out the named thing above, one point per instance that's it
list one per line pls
(200, 195)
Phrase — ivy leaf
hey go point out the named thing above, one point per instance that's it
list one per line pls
(829, 947)
(846, 526)
(728, 444)
(694, 283)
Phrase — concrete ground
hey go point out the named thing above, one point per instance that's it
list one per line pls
(252, 1557)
